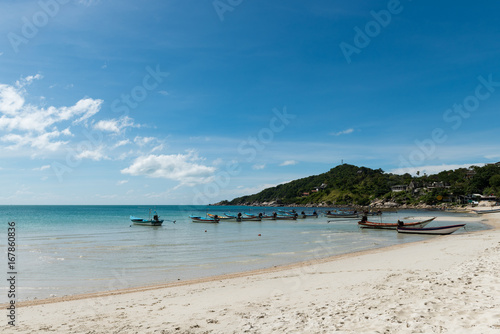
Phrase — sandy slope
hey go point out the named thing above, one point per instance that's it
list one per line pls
(447, 284)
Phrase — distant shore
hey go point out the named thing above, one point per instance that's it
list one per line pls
(446, 284)
(391, 206)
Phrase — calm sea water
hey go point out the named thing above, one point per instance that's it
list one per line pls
(64, 250)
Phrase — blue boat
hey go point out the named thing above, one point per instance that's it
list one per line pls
(155, 221)
(146, 222)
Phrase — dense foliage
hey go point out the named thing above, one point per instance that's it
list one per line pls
(348, 184)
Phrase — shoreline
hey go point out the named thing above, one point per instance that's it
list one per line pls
(254, 272)
(206, 304)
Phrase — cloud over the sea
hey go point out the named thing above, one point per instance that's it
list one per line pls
(184, 168)
(38, 127)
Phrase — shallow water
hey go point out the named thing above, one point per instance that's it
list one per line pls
(64, 250)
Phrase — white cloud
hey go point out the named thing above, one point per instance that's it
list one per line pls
(27, 125)
(121, 143)
(141, 141)
(344, 132)
(164, 93)
(10, 100)
(492, 156)
(180, 167)
(259, 166)
(119, 183)
(114, 125)
(42, 168)
(18, 116)
(96, 155)
(218, 162)
(157, 148)
(288, 163)
(41, 142)
(28, 80)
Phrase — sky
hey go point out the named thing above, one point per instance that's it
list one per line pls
(160, 102)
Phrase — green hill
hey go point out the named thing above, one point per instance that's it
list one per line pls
(352, 185)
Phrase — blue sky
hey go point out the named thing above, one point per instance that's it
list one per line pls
(191, 102)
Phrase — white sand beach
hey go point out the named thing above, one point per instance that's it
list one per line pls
(446, 284)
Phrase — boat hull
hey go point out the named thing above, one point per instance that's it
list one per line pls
(307, 216)
(255, 219)
(145, 222)
(440, 230)
(148, 222)
(245, 218)
(340, 215)
(285, 218)
(220, 217)
(394, 226)
(204, 220)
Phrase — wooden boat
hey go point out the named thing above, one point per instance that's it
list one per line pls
(198, 219)
(486, 211)
(240, 217)
(275, 216)
(287, 213)
(211, 215)
(440, 230)
(286, 217)
(304, 216)
(341, 215)
(393, 226)
(251, 218)
(146, 222)
(374, 213)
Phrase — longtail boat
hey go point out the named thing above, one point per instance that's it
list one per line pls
(211, 215)
(146, 222)
(481, 212)
(393, 226)
(198, 219)
(240, 217)
(341, 215)
(440, 230)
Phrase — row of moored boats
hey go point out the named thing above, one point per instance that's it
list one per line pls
(281, 215)
(416, 227)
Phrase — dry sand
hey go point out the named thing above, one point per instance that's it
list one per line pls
(446, 284)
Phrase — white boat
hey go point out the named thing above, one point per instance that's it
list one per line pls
(486, 211)
(440, 230)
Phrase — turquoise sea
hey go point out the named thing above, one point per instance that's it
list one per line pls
(65, 250)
